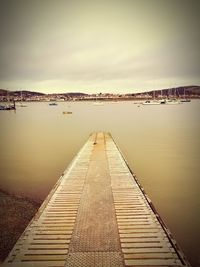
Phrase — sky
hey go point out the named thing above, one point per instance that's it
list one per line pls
(89, 46)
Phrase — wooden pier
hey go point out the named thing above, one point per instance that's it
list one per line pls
(97, 214)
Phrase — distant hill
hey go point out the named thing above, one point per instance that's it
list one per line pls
(178, 91)
(3, 92)
(74, 94)
(25, 93)
(30, 93)
(71, 94)
(192, 90)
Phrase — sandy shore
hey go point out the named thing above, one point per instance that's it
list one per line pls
(15, 214)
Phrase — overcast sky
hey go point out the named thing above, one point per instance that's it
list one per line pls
(99, 46)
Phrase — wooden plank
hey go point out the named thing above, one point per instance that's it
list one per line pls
(36, 264)
(151, 255)
(51, 237)
(59, 220)
(56, 207)
(52, 232)
(48, 216)
(48, 246)
(134, 216)
(144, 239)
(150, 262)
(142, 235)
(148, 250)
(53, 227)
(135, 220)
(49, 241)
(138, 222)
(62, 211)
(59, 223)
(137, 231)
(45, 251)
(144, 245)
(138, 228)
(46, 225)
(43, 257)
(126, 208)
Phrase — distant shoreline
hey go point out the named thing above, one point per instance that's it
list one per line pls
(190, 91)
(99, 100)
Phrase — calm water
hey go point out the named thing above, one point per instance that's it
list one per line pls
(161, 144)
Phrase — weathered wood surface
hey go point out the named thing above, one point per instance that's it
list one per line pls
(96, 215)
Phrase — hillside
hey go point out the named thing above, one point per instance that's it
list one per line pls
(192, 90)
(179, 91)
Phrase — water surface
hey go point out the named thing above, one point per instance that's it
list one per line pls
(161, 144)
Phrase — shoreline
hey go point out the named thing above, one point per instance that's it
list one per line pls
(16, 212)
(97, 99)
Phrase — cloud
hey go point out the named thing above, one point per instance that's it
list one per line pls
(108, 45)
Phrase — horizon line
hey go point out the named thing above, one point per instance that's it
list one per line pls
(90, 93)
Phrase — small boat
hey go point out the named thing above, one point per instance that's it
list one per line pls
(138, 102)
(21, 103)
(2, 107)
(98, 104)
(185, 100)
(172, 102)
(162, 102)
(67, 112)
(8, 107)
(151, 102)
(53, 104)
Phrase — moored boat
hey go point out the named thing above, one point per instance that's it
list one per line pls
(67, 112)
(8, 106)
(173, 102)
(185, 100)
(98, 103)
(151, 102)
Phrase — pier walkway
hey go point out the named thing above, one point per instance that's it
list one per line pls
(96, 215)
